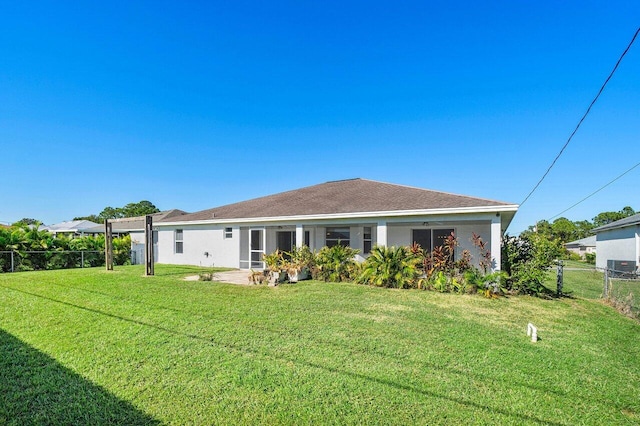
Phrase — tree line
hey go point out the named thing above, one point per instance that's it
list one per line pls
(141, 208)
(565, 230)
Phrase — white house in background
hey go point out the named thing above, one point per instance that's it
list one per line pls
(134, 226)
(71, 228)
(356, 212)
(583, 246)
(618, 241)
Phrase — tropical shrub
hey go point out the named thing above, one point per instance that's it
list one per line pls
(590, 258)
(396, 267)
(336, 264)
(298, 259)
(122, 250)
(37, 249)
(525, 260)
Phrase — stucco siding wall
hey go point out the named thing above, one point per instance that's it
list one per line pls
(197, 241)
(617, 244)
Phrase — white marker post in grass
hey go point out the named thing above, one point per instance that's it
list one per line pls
(533, 332)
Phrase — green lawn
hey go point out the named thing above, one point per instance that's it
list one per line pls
(96, 347)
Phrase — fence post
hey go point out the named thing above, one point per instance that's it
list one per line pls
(12, 261)
(82, 258)
(108, 245)
(559, 278)
(606, 284)
(148, 245)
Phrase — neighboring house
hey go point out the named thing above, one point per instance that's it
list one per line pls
(356, 212)
(583, 246)
(71, 228)
(618, 241)
(134, 226)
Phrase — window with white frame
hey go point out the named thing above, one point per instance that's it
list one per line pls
(335, 236)
(366, 240)
(228, 232)
(179, 241)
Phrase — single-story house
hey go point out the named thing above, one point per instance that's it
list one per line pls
(582, 246)
(360, 213)
(618, 241)
(71, 228)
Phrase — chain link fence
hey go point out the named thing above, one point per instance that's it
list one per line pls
(622, 290)
(18, 261)
(618, 287)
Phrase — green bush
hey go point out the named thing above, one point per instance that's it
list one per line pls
(336, 264)
(395, 267)
(525, 260)
(590, 258)
(572, 256)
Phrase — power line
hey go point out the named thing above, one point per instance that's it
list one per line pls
(594, 192)
(583, 117)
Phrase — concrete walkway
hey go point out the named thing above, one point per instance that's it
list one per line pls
(238, 276)
(232, 277)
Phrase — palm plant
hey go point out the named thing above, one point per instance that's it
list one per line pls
(397, 267)
(335, 263)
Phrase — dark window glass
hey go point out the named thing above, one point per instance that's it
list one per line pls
(179, 241)
(422, 237)
(440, 235)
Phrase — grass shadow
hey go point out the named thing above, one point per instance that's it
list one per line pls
(36, 389)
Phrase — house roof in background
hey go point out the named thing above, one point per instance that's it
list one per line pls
(70, 226)
(622, 223)
(343, 196)
(583, 242)
(128, 224)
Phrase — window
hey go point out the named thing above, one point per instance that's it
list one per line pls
(337, 236)
(228, 232)
(366, 240)
(179, 241)
(307, 238)
(430, 238)
(423, 238)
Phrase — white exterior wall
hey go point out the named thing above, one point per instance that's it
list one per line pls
(198, 240)
(617, 244)
(227, 252)
(137, 245)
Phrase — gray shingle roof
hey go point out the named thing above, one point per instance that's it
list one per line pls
(343, 196)
(127, 224)
(627, 221)
(584, 242)
(70, 226)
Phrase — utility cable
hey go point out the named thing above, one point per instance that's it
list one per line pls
(583, 117)
(594, 192)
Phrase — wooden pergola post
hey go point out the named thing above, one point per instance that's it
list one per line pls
(148, 245)
(108, 245)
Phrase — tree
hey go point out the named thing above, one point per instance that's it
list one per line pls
(564, 229)
(141, 208)
(26, 221)
(606, 218)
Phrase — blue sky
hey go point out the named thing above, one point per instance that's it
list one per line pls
(196, 104)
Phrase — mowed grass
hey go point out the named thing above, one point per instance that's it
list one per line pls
(98, 347)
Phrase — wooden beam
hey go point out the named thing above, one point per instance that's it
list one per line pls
(148, 245)
(108, 245)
